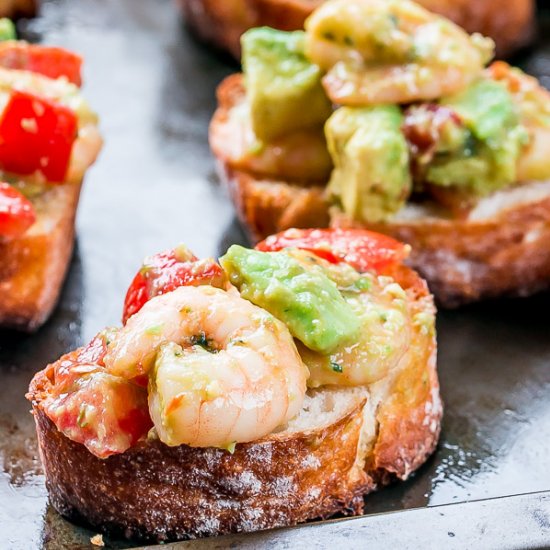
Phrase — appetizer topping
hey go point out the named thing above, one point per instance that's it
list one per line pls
(430, 128)
(412, 104)
(532, 100)
(284, 88)
(167, 271)
(384, 335)
(50, 61)
(36, 134)
(371, 177)
(209, 366)
(16, 212)
(105, 413)
(301, 155)
(364, 250)
(245, 380)
(533, 104)
(391, 51)
(483, 156)
(307, 301)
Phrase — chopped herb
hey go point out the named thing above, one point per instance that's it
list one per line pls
(394, 19)
(348, 41)
(201, 340)
(383, 317)
(336, 367)
(363, 283)
(327, 35)
(82, 421)
(154, 330)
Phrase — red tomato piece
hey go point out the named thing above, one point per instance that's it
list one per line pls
(167, 271)
(364, 250)
(17, 213)
(106, 413)
(49, 61)
(36, 134)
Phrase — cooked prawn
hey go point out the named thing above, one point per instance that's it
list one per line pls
(533, 104)
(300, 156)
(221, 370)
(391, 51)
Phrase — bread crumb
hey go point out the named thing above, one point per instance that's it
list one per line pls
(97, 540)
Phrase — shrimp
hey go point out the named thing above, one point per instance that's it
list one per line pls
(299, 156)
(221, 370)
(382, 307)
(533, 104)
(391, 51)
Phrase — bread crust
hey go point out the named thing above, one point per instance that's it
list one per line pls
(468, 260)
(33, 267)
(221, 22)
(156, 492)
(464, 259)
(17, 8)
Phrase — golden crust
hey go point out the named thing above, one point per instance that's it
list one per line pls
(33, 267)
(266, 207)
(156, 492)
(17, 8)
(222, 22)
(463, 259)
(467, 260)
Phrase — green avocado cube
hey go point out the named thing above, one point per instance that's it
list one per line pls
(307, 301)
(284, 89)
(371, 179)
(7, 30)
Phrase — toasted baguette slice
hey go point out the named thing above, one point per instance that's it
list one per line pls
(222, 22)
(343, 444)
(33, 267)
(500, 247)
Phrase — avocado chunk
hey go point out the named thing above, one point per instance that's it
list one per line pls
(7, 30)
(283, 87)
(174, 372)
(371, 179)
(487, 159)
(306, 300)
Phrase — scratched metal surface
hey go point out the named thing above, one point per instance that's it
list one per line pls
(154, 186)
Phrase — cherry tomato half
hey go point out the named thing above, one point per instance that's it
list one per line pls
(49, 61)
(364, 250)
(167, 271)
(16, 212)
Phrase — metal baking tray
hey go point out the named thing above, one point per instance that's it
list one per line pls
(154, 186)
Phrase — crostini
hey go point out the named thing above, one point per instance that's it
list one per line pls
(383, 115)
(48, 139)
(222, 22)
(277, 386)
